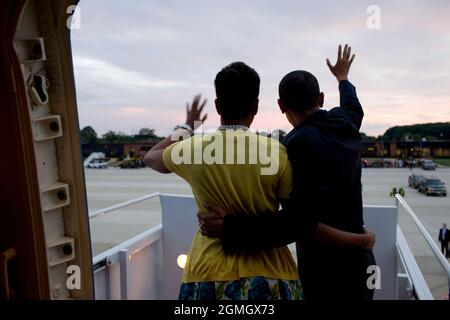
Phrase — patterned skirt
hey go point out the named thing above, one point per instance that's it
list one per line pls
(253, 288)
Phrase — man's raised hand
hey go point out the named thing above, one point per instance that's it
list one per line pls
(343, 63)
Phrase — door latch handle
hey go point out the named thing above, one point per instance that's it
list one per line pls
(5, 257)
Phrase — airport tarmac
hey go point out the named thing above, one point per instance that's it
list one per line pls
(112, 186)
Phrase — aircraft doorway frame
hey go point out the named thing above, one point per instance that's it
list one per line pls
(43, 208)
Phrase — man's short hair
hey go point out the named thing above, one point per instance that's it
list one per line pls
(237, 89)
(299, 90)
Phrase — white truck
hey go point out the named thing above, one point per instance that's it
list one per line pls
(98, 164)
(96, 160)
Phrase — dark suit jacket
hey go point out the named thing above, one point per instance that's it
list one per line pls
(446, 236)
(324, 152)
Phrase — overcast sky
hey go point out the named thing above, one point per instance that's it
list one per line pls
(138, 62)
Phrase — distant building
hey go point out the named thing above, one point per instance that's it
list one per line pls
(137, 149)
(376, 149)
(406, 149)
(116, 150)
(111, 150)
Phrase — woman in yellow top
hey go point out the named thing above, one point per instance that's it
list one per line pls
(242, 172)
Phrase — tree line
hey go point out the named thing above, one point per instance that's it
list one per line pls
(88, 135)
(416, 132)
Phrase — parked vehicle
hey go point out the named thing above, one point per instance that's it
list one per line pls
(133, 163)
(98, 163)
(432, 185)
(428, 165)
(414, 179)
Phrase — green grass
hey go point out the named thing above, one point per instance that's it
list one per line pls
(443, 162)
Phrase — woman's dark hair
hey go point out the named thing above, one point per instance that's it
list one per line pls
(237, 89)
(299, 90)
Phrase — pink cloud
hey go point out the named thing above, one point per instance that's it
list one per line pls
(131, 110)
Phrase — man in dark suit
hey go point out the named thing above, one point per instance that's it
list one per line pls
(324, 150)
(444, 239)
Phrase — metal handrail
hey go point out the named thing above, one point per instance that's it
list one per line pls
(433, 246)
(152, 235)
(121, 205)
(420, 286)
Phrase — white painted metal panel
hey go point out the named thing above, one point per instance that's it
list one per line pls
(132, 270)
(179, 220)
(146, 268)
(382, 220)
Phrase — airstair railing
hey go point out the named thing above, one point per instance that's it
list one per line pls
(431, 243)
(122, 205)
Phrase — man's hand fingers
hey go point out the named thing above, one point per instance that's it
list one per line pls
(329, 64)
(345, 54)
(204, 231)
(204, 117)
(351, 59)
(212, 207)
(202, 218)
(339, 53)
(209, 207)
(349, 52)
